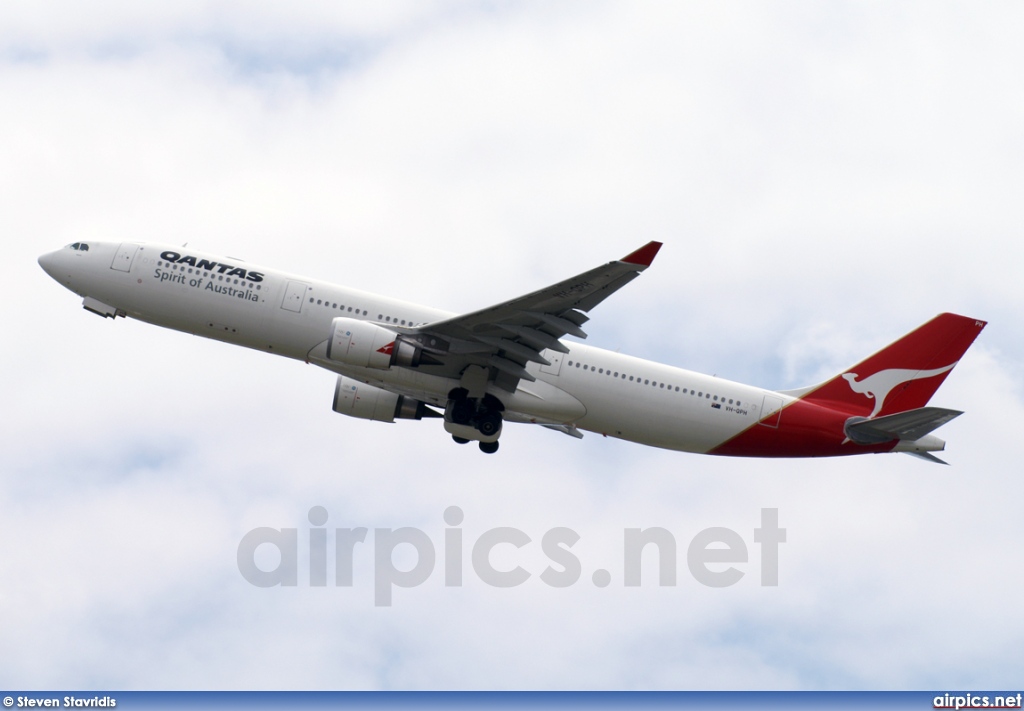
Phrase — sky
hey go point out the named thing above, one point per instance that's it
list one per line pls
(824, 177)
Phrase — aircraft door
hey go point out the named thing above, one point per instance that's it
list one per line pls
(771, 411)
(556, 362)
(294, 295)
(124, 257)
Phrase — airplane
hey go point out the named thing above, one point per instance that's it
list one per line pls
(508, 362)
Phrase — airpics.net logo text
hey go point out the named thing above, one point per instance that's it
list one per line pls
(714, 556)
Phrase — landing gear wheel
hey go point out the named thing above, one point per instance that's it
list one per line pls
(460, 440)
(489, 424)
(488, 447)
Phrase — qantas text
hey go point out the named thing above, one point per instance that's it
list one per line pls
(206, 264)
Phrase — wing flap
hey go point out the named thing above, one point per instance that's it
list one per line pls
(536, 338)
(523, 351)
(511, 367)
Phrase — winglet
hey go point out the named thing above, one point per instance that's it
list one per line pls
(643, 256)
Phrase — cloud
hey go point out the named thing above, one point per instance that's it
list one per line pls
(824, 180)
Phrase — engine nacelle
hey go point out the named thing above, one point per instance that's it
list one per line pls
(368, 402)
(360, 343)
(368, 345)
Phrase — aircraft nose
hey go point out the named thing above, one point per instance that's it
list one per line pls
(49, 263)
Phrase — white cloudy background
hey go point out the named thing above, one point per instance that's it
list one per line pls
(824, 178)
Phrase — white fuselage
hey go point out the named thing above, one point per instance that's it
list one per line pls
(587, 388)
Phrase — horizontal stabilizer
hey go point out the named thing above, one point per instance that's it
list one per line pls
(910, 425)
(928, 457)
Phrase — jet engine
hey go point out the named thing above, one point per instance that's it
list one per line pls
(360, 343)
(368, 402)
(368, 345)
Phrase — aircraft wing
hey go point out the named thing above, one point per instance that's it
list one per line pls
(505, 337)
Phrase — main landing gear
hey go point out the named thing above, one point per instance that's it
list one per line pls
(474, 419)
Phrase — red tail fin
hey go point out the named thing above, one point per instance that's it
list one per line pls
(903, 375)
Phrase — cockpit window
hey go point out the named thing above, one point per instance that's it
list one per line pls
(75, 246)
(84, 247)
(79, 247)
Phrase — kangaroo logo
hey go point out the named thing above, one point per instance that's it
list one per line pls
(879, 385)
